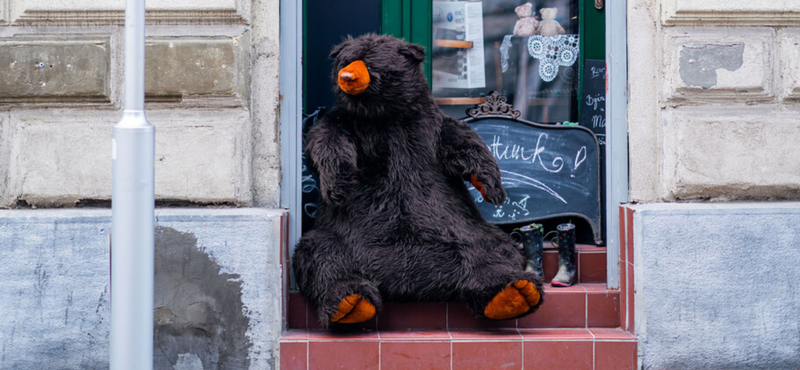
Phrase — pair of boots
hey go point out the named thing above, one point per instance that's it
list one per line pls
(532, 238)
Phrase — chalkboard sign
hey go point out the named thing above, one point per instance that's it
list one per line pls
(547, 171)
(593, 99)
(593, 109)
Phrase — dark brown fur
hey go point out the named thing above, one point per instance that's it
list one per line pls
(396, 221)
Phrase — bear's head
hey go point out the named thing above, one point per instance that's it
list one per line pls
(376, 75)
(548, 13)
(524, 10)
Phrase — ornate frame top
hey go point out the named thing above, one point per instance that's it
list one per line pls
(494, 104)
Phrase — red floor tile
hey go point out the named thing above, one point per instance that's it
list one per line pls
(631, 288)
(486, 335)
(615, 355)
(603, 309)
(419, 315)
(550, 264)
(414, 335)
(293, 356)
(553, 355)
(562, 308)
(295, 334)
(343, 355)
(556, 334)
(487, 355)
(296, 311)
(613, 334)
(622, 233)
(592, 268)
(342, 336)
(460, 317)
(589, 248)
(623, 296)
(595, 287)
(415, 355)
(629, 230)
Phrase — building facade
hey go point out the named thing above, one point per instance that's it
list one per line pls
(701, 191)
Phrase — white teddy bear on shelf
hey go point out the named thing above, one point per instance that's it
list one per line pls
(549, 26)
(527, 24)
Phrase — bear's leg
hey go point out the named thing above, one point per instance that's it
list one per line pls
(328, 276)
(501, 290)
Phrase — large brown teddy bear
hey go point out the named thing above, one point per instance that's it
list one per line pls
(396, 221)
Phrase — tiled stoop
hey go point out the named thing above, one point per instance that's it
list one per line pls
(577, 328)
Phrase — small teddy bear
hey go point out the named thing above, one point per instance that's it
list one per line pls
(549, 26)
(527, 24)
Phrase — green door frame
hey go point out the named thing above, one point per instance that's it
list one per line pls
(592, 44)
(411, 20)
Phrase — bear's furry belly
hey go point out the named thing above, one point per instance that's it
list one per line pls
(424, 206)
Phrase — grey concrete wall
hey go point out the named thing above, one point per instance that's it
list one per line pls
(717, 286)
(217, 289)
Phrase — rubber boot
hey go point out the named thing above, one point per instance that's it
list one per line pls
(566, 256)
(531, 239)
(534, 248)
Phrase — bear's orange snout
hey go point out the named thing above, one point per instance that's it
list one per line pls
(354, 79)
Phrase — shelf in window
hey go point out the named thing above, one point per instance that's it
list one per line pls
(459, 101)
(531, 102)
(453, 44)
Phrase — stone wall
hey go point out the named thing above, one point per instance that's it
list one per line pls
(217, 289)
(211, 92)
(713, 101)
(717, 285)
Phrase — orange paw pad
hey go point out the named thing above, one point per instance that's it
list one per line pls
(353, 309)
(516, 299)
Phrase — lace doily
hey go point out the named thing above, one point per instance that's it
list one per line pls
(553, 52)
(504, 52)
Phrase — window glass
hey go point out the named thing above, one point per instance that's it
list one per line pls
(527, 51)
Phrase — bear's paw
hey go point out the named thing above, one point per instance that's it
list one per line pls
(353, 309)
(516, 299)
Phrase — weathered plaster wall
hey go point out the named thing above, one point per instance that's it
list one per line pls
(713, 100)
(217, 289)
(717, 285)
(211, 91)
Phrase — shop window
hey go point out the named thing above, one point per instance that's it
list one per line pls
(473, 50)
(526, 52)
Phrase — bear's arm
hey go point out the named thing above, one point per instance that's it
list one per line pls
(332, 155)
(464, 154)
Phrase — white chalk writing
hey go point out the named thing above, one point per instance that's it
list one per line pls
(517, 152)
(597, 72)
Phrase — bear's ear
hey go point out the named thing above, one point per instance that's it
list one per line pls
(337, 49)
(413, 52)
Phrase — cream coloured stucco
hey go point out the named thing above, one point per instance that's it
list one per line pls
(727, 137)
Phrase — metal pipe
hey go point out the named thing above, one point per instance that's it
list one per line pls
(616, 130)
(132, 212)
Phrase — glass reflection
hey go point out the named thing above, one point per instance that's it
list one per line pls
(526, 50)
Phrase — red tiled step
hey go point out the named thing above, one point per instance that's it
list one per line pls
(578, 306)
(590, 263)
(529, 349)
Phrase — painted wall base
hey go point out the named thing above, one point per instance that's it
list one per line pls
(217, 289)
(717, 285)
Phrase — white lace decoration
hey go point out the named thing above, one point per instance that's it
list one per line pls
(552, 52)
(504, 47)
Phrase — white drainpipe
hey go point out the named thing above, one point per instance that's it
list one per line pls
(132, 210)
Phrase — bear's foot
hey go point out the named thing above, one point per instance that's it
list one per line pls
(353, 309)
(516, 299)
